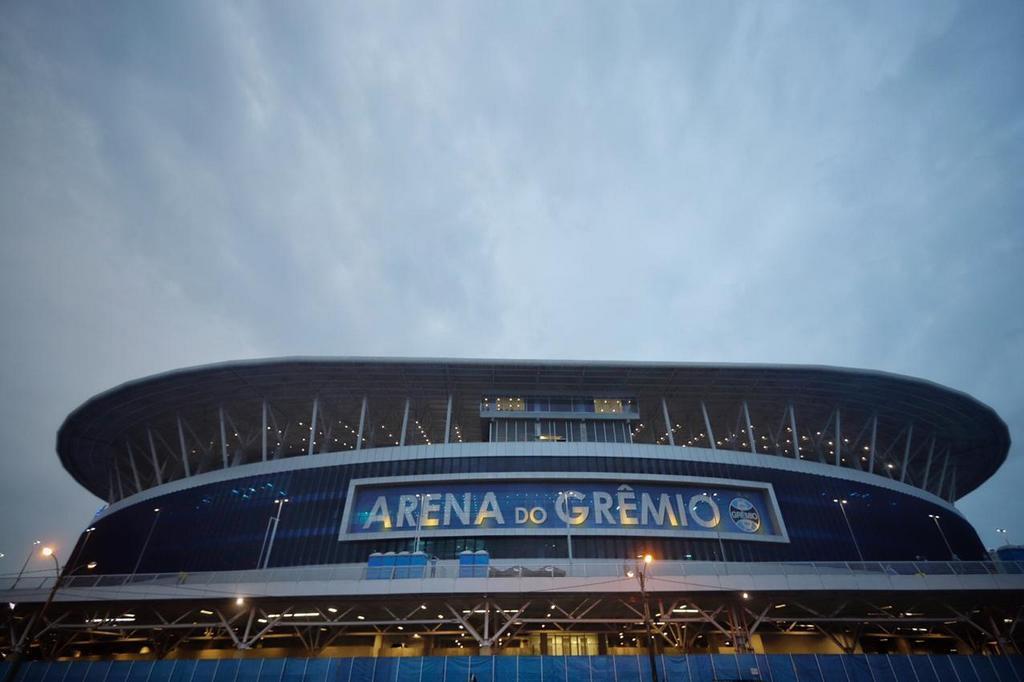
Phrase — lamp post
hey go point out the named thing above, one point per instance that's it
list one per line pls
(145, 545)
(935, 518)
(640, 573)
(31, 551)
(842, 508)
(1003, 532)
(28, 637)
(420, 499)
(273, 532)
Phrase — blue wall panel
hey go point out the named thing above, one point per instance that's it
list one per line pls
(782, 668)
(857, 668)
(691, 668)
(881, 670)
(964, 669)
(182, 672)
(1018, 666)
(807, 668)
(924, 669)
(832, 668)
(901, 667)
(529, 669)
(601, 668)
(1004, 668)
(984, 670)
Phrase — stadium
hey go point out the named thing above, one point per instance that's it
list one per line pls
(504, 519)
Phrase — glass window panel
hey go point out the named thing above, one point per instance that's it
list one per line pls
(510, 404)
(605, 406)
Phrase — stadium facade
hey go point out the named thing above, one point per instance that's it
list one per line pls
(391, 507)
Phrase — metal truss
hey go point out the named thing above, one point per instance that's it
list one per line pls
(682, 623)
(183, 444)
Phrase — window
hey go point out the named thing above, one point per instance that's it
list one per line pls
(510, 404)
(603, 406)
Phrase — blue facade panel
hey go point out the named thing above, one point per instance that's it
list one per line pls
(221, 526)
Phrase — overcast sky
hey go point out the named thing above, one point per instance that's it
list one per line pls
(183, 183)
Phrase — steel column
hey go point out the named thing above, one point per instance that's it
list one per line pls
(942, 476)
(750, 429)
(263, 444)
(405, 423)
(184, 451)
(152, 454)
(928, 464)
(135, 469)
(362, 424)
(707, 425)
(906, 453)
(874, 437)
(796, 436)
(312, 424)
(839, 439)
(668, 423)
(223, 437)
(448, 419)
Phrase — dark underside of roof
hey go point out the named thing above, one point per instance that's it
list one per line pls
(978, 438)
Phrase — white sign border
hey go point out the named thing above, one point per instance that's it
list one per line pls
(781, 535)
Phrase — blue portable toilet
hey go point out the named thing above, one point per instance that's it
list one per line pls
(466, 564)
(418, 565)
(481, 563)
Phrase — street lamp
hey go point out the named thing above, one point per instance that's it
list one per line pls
(276, 520)
(19, 648)
(1003, 532)
(31, 551)
(640, 573)
(145, 545)
(842, 508)
(935, 518)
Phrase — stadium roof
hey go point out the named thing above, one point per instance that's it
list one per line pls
(188, 421)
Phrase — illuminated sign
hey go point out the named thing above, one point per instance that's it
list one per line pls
(559, 503)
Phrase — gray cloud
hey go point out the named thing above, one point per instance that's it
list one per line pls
(190, 183)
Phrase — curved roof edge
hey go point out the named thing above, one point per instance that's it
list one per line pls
(991, 426)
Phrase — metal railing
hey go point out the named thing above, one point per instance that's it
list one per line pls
(519, 569)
